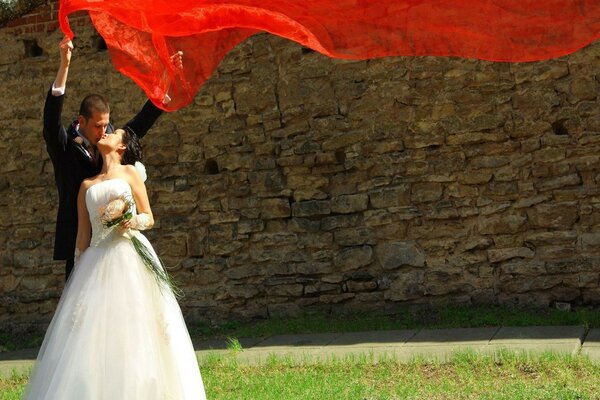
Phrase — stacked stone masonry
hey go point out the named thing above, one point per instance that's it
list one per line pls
(296, 183)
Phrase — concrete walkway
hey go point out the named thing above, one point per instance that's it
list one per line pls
(402, 345)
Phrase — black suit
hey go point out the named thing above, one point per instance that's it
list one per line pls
(72, 165)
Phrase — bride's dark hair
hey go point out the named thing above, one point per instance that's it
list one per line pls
(133, 152)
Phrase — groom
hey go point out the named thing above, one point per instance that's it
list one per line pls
(73, 150)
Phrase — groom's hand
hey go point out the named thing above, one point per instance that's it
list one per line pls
(66, 49)
(177, 60)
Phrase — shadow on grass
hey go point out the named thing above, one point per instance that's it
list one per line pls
(434, 318)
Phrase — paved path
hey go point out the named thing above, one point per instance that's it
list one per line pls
(403, 345)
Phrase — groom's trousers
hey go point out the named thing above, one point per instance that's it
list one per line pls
(69, 268)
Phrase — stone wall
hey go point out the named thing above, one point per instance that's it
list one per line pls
(296, 182)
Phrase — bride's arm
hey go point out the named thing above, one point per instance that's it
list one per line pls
(84, 226)
(144, 218)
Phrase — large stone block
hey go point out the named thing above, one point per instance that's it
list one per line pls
(315, 268)
(223, 248)
(252, 99)
(322, 287)
(377, 217)
(343, 139)
(390, 197)
(311, 208)
(304, 225)
(354, 286)
(524, 284)
(293, 290)
(397, 254)
(243, 291)
(353, 257)
(243, 272)
(407, 285)
(559, 183)
(275, 208)
(339, 221)
(558, 252)
(589, 241)
(250, 225)
(497, 255)
(523, 267)
(275, 238)
(347, 204)
(265, 182)
(321, 240)
(557, 215)
(354, 237)
(583, 89)
(502, 223)
(426, 192)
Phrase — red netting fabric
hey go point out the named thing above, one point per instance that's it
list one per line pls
(142, 34)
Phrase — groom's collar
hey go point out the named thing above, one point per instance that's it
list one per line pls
(79, 134)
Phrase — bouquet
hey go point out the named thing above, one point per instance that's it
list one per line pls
(121, 209)
(116, 211)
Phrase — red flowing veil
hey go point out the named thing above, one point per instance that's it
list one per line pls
(142, 34)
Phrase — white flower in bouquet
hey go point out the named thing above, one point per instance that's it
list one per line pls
(116, 211)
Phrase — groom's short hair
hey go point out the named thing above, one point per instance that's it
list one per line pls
(93, 103)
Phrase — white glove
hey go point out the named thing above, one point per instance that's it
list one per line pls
(141, 169)
(76, 255)
(140, 222)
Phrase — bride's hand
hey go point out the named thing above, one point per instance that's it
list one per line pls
(124, 229)
(126, 224)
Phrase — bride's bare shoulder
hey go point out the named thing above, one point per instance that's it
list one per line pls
(132, 174)
(88, 182)
(85, 185)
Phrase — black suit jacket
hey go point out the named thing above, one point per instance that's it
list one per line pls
(72, 165)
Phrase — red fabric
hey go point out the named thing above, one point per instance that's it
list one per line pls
(142, 34)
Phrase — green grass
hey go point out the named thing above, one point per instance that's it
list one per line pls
(467, 375)
(447, 317)
(13, 388)
(234, 345)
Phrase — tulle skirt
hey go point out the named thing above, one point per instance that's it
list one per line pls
(116, 335)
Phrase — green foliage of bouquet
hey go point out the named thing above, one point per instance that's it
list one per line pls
(121, 209)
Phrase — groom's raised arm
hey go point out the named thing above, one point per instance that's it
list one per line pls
(143, 121)
(54, 133)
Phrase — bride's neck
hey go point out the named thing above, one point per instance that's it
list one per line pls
(110, 161)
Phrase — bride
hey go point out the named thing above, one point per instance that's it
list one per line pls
(118, 332)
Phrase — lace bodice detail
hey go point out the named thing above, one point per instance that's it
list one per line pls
(98, 196)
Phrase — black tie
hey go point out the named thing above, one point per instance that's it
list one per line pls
(92, 150)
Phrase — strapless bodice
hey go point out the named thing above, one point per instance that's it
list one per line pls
(97, 197)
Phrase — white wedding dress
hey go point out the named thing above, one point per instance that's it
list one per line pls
(116, 335)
